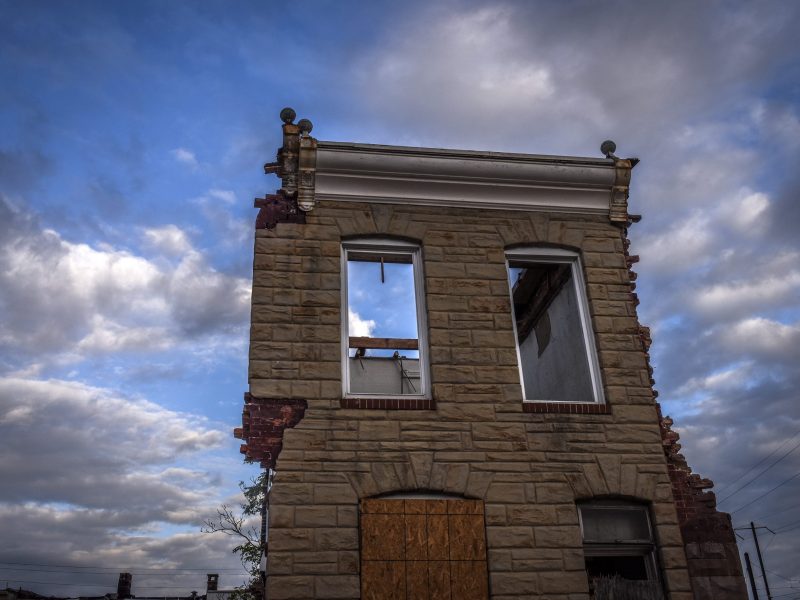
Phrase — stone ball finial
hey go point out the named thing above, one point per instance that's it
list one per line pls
(305, 126)
(288, 115)
(608, 148)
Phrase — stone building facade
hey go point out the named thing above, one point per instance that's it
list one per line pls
(459, 482)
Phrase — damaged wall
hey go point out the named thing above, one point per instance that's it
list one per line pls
(526, 464)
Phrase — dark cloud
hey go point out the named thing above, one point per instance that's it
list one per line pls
(82, 553)
(785, 211)
(89, 477)
(100, 451)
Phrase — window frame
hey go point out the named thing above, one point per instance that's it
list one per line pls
(391, 246)
(545, 255)
(646, 548)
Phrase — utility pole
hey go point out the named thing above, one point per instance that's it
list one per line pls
(750, 575)
(760, 560)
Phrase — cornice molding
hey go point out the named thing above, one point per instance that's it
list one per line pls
(439, 177)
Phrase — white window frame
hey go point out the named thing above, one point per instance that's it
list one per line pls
(390, 246)
(559, 256)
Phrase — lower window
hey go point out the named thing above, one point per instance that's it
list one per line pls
(619, 548)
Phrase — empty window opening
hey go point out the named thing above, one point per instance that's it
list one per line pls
(555, 349)
(382, 331)
(619, 549)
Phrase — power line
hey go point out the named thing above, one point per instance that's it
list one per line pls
(772, 514)
(131, 571)
(766, 493)
(759, 463)
(785, 525)
(787, 530)
(148, 587)
(772, 464)
(119, 569)
(796, 579)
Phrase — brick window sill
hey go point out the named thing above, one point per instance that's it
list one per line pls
(565, 408)
(389, 403)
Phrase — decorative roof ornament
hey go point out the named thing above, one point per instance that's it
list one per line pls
(295, 165)
(608, 148)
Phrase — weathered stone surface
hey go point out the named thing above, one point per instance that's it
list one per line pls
(340, 586)
(529, 469)
(509, 537)
(291, 588)
(515, 584)
(340, 538)
(315, 516)
(292, 538)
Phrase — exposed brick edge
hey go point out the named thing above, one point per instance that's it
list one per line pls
(263, 423)
(692, 500)
(389, 403)
(277, 208)
(566, 408)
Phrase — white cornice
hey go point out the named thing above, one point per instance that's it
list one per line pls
(436, 177)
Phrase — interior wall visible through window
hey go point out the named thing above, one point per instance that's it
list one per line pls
(556, 354)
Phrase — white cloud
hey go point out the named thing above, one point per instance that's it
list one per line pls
(763, 336)
(225, 196)
(359, 327)
(734, 377)
(682, 247)
(185, 157)
(106, 336)
(746, 212)
(736, 297)
(168, 239)
(61, 296)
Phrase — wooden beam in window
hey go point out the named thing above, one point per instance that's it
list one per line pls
(387, 257)
(384, 343)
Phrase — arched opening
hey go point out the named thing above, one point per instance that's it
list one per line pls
(423, 547)
(620, 550)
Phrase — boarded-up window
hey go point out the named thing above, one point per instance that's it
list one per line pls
(423, 549)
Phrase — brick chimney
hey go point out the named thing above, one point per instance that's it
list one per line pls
(213, 580)
(124, 586)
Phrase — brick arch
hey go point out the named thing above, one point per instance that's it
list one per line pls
(384, 220)
(609, 477)
(381, 235)
(421, 474)
(540, 244)
(423, 545)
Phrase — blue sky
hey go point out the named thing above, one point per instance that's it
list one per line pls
(132, 137)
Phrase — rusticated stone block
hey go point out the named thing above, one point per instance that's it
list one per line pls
(473, 438)
(515, 584)
(290, 588)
